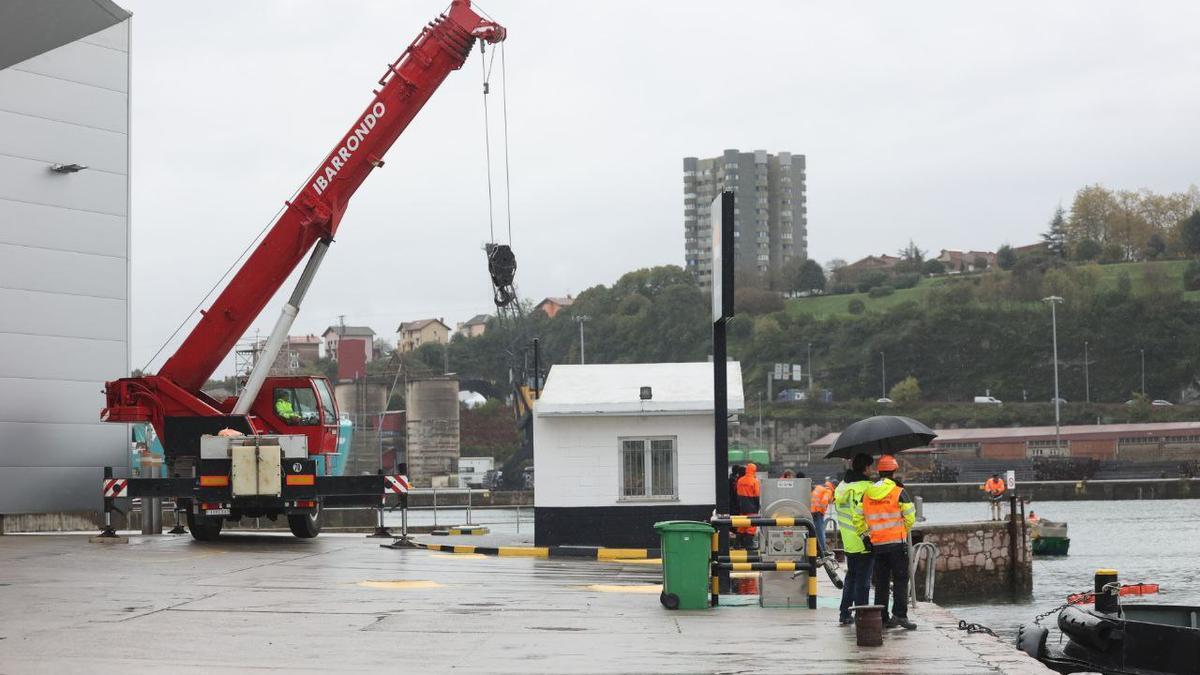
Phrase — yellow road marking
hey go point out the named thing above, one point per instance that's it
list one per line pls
(610, 553)
(625, 588)
(401, 584)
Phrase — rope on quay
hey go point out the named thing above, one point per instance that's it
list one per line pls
(973, 628)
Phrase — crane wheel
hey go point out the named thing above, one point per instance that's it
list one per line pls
(204, 529)
(304, 526)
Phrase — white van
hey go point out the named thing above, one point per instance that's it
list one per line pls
(991, 400)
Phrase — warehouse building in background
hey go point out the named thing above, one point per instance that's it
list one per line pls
(770, 214)
(64, 248)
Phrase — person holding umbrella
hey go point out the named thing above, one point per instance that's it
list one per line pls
(886, 513)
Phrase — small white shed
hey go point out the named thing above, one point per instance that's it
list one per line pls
(610, 462)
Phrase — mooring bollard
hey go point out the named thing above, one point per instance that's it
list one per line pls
(1108, 592)
(868, 625)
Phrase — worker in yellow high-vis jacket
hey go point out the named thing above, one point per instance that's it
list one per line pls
(847, 501)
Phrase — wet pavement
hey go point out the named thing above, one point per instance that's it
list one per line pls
(253, 602)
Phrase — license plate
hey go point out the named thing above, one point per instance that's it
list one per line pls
(217, 512)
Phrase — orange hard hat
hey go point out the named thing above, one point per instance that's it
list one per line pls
(887, 463)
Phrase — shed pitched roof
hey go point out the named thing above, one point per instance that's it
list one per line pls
(478, 319)
(350, 331)
(419, 324)
(614, 389)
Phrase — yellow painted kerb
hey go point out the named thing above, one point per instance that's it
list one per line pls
(525, 551)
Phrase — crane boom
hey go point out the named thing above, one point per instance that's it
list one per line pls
(311, 217)
(314, 214)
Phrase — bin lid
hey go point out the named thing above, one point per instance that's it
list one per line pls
(683, 526)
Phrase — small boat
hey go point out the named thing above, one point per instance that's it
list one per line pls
(1116, 639)
(1050, 538)
(1126, 589)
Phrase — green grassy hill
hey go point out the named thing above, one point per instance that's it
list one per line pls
(826, 306)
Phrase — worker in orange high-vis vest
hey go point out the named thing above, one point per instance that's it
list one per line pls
(749, 492)
(822, 495)
(995, 487)
(889, 514)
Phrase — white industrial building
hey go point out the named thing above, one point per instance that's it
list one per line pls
(612, 459)
(64, 248)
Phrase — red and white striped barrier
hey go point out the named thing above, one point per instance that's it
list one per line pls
(116, 487)
(396, 484)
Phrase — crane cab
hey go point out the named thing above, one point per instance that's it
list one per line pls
(300, 405)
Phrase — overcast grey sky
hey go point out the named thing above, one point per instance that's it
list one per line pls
(960, 125)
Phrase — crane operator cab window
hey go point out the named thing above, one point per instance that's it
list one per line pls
(297, 406)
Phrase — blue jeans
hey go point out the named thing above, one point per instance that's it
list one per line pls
(819, 521)
(857, 588)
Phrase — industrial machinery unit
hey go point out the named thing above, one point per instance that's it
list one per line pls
(283, 422)
(784, 497)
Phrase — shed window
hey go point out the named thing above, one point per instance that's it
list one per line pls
(648, 468)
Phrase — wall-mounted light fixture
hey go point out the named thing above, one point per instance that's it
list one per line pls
(67, 168)
(646, 394)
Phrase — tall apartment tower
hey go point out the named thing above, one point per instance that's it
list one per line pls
(770, 213)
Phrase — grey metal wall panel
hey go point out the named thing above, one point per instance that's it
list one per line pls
(54, 401)
(37, 313)
(42, 96)
(116, 37)
(83, 63)
(30, 181)
(41, 269)
(64, 268)
(42, 226)
(64, 445)
(59, 358)
(44, 140)
(38, 489)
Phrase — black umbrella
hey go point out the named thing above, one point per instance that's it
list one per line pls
(881, 435)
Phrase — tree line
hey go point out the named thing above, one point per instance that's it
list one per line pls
(967, 336)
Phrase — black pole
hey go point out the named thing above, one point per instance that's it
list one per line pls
(722, 284)
(537, 369)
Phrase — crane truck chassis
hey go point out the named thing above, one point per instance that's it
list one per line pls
(255, 454)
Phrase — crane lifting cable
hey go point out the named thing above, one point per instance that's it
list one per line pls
(501, 261)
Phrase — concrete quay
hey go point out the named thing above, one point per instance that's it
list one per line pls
(254, 602)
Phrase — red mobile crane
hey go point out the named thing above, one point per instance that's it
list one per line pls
(269, 471)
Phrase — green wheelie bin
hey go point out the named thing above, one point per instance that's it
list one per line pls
(686, 550)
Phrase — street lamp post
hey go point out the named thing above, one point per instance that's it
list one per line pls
(1054, 300)
(1143, 351)
(882, 376)
(581, 319)
(1087, 385)
(810, 385)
